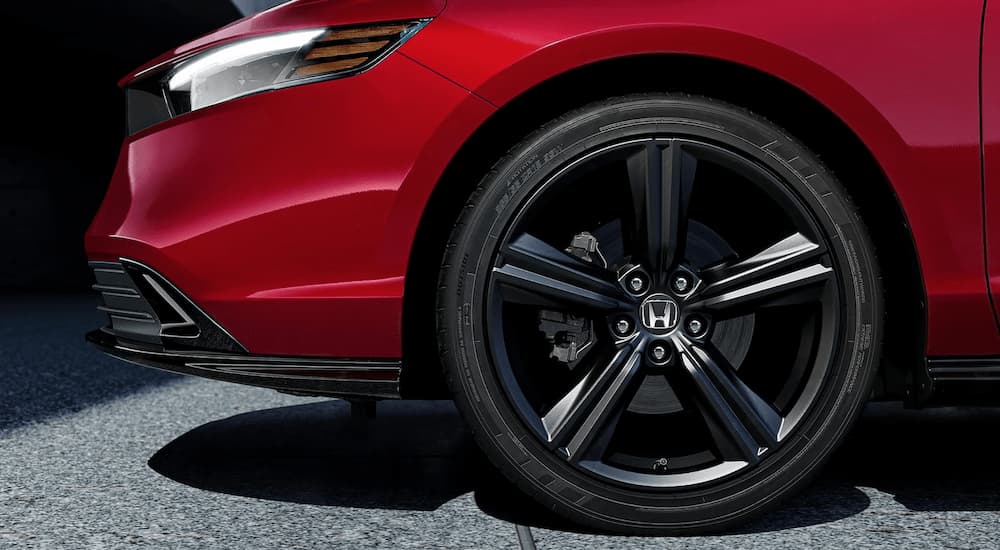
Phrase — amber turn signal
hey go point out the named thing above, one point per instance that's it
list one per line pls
(346, 49)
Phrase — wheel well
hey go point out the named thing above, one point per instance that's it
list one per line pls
(798, 113)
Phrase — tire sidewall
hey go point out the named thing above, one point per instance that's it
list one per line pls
(478, 390)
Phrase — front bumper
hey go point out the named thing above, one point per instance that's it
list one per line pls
(289, 216)
(152, 323)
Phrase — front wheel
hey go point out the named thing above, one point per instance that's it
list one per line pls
(659, 314)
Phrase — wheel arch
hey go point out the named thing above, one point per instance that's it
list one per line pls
(785, 104)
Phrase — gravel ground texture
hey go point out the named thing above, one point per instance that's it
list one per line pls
(97, 454)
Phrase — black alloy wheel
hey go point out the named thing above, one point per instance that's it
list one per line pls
(659, 314)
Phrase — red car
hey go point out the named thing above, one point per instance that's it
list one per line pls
(660, 253)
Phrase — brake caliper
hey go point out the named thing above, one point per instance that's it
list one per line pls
(569, 335)
(583, 245)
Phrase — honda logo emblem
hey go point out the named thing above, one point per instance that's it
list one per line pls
(659, 313)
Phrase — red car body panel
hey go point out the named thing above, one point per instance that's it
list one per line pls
(281, 214)
(991, 143)
(289, 216)
(904, 80)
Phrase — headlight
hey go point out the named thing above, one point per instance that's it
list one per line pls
(260, 64)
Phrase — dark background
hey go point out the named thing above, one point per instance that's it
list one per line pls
(63, 117)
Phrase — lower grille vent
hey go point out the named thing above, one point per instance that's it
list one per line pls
(144, 308)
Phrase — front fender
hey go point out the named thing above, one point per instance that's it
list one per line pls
(904, 81)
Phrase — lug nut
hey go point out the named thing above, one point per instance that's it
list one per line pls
(623, 326)
(635, 280)
(695, 326)
(681, 284)
(637, 284)
(660, 353)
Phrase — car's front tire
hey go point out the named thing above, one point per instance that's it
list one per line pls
(659, 314)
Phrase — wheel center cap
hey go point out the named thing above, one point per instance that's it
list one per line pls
(659, 313)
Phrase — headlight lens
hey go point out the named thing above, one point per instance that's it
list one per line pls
(235, 70)
(260, 64)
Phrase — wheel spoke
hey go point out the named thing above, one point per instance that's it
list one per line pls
(775, 258)
(543, 275)
(579, 418)
(661, 180)
(779, 275)
(568, 269)
(746, 425)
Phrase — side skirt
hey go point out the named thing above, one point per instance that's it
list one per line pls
(965, 380)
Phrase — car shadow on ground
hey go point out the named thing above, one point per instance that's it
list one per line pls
(418, 456)
(929, 460)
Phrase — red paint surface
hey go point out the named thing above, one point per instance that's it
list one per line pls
(289, 216)
(272, 212)
(991, 143)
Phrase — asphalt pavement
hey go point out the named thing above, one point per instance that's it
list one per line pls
(99, 454)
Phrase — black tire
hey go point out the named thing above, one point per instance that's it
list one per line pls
(499, 425)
